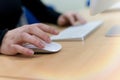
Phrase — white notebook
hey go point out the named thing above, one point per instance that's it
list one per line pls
(77, 32)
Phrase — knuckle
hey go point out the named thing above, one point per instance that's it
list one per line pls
(26, 26)
(30, 29)
(44, 35)
(51, 30)
(41, 24)
(37, 42)
(37, 24)
(23, 36)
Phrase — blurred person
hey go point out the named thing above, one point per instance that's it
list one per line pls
(12, 37)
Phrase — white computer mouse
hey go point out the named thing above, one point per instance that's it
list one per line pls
(49, 48)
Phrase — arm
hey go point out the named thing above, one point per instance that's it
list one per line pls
(41, 12)
(2, 33)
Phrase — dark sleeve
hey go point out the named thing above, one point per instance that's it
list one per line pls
(40, 11)
(2, 33)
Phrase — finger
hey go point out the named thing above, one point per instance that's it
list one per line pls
(30, 39)
(79, 18)
(70, 18)
(39, 39)
(39, 33)
(62, 21)
(47, 28)
(23, 50)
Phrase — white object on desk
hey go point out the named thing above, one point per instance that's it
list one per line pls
(115, 7)
(97, 6)
(113, 32)
(77, 32)
(49, 48)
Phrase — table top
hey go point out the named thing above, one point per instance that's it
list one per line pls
(96, 58)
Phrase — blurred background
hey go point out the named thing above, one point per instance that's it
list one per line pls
(67, 5)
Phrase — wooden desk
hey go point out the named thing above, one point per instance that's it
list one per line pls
(97, 58)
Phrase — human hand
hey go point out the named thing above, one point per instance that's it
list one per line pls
(71, 18)
(35, 34)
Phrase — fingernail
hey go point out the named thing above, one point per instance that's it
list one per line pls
(31, 52)
(56, 32)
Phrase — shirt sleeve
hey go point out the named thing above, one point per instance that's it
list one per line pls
(2, 33)
(40, 11)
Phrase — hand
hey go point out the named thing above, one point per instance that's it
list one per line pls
(71, 18)
(34, 34)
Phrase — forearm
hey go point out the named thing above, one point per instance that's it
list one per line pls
(41, 12)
